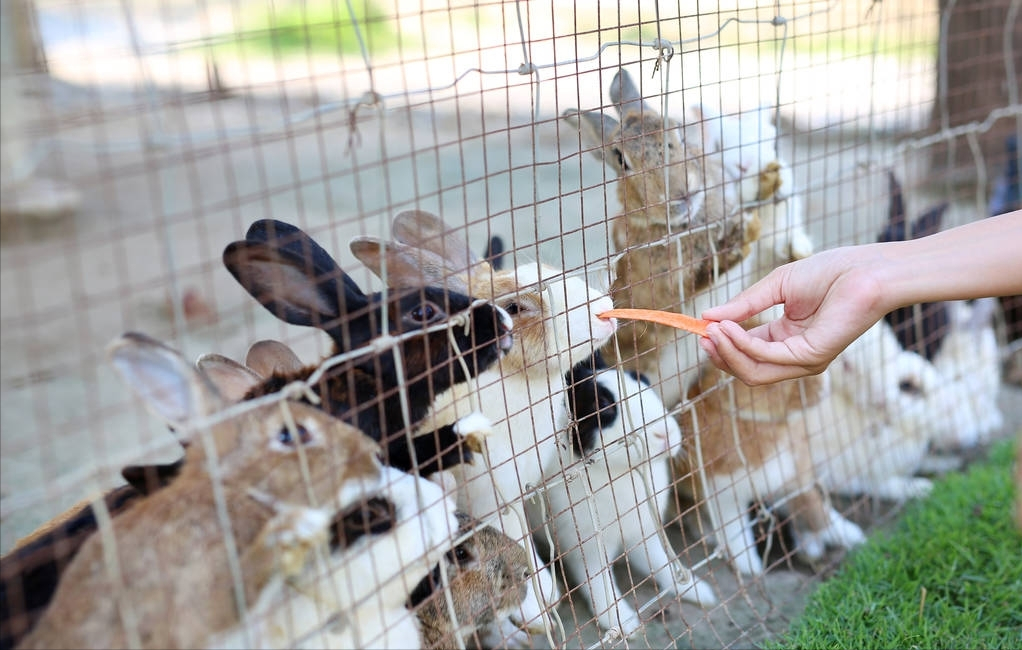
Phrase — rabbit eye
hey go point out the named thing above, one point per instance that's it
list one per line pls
(424, 313)
(620, 159)
(285, 437)
(909, 387)
(459, 555)
(512, 308)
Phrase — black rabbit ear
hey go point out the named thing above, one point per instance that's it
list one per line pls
(929, 222)
(289, 285)
(896, 207)
(494, 253)
(284, 236)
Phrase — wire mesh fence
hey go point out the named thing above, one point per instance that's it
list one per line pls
(467, 453)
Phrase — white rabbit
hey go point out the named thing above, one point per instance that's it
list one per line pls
(877, 424)
(554, 321)
(607, 513)
(970, 364)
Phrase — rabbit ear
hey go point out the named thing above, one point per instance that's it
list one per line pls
(407, 266)
(150, 478)
(170, 387)
(982, 314)
(929, 222)
(271, 357)
(626, 96)
(285, 236)
(232, 379)
(896, 207)
(289, 285)
(428, 232)
(494, 253)
(599, 132)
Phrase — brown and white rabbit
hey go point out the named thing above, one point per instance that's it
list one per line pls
(168, 582)
(748, 444)
(643, 149)
(555, 321)
(299, 282)
(487, 576)
(606, 513)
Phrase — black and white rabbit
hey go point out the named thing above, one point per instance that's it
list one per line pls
(299, 282)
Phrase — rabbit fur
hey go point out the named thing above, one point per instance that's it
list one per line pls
(295, 279)
(487, 576)
(607, 513)
(358, 599)
(970, 366)
(878, 422)
(555, 321)
(161, 583)
(647, 276)
(753, 444)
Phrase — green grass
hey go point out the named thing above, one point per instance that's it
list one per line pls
(947, 575)
(315, 26)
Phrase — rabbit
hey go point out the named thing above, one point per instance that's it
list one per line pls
(616, 517)
(487, 574)
(160, 583)
(555, 320)
(919, 328)
(648, 276)
(969, 363)
(879, 419)
(295, 279)
(754, 444)
(359, 600)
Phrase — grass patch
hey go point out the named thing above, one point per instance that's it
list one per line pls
(960, 545)
(315, 26)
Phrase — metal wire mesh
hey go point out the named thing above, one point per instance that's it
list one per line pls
(140, 138)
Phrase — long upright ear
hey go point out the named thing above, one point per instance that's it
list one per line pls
(408, 266)
(982, 314)
(930, 221)
(896, 207)
(625, 95)
(269, 357)
(170, 387)
(495, 252)
(289, 286)
(284, 236)
(429, 232)
(599, 133)
(232, 379)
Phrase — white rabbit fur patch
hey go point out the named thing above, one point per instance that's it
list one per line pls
(620, 517)
(368, 582)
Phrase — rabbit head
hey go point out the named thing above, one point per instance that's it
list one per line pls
(293, 278)
(487, 574)
(555, 317)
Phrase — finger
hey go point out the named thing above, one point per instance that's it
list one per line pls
(711, 351)
(752, 368)
(751, 301)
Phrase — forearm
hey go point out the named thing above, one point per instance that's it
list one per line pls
(981, 258)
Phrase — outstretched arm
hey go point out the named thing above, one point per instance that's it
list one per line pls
(834, 296)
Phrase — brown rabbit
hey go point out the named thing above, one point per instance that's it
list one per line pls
(173, 583)
(660, 260)
(487, 575)
(752, 443)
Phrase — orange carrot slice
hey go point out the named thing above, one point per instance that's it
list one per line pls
(681, 321)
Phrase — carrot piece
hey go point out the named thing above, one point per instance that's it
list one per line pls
(681, 321)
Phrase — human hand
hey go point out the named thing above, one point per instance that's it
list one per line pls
(829, 299)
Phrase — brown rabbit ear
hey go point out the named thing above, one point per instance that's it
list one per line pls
(428, 232)
(599, 132)
(408, 266)
(232, 379)
(169, 385)
(626, 97)
(271, 357)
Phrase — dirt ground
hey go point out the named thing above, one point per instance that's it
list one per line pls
(151, 214)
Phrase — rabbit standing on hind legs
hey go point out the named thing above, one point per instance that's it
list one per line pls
(555, 322)
(676, 239)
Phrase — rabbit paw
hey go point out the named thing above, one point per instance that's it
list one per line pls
(293, 533)
(474, 427)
